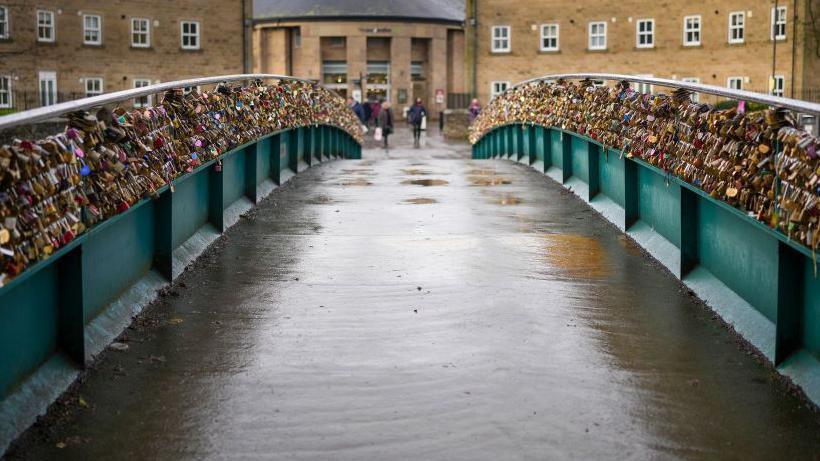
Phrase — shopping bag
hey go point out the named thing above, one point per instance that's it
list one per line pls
(364, 129)
(424, 123)
(377, 135)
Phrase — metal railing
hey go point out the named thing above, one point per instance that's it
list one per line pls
(49, 112)
(803, 107)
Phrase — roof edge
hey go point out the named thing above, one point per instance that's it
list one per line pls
(359, 18)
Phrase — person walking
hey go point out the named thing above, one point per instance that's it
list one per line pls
(367, 111)
(416, 116)
(475, 109)
(375, 108)
(356, 108)
(385, 121)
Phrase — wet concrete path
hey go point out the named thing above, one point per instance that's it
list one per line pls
(421, 305)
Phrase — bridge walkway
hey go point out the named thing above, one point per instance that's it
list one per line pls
(418, 304)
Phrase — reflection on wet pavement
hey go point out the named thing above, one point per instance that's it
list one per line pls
(421, 201)
(576, 256)
(456, 330)
(426, 182)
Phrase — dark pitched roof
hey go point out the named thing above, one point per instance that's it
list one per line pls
(431, 10)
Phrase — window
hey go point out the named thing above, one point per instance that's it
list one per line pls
(691, 31)
(189, 35)
(142, 101)
(695, 95)
(4, 22)
(734, 83)
(48, 88)
(417, 71)
(92, 29)
(778, 85)
(140, 33)
(549, 37)
(5, 91)
(378, 80)
(296, 37)
(737, 23)
(498, 87)
(500, 39)
(597, 35)
(45, 26)
(93, 86)
(645, 33)
(779, 23)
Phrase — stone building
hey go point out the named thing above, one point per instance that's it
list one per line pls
(57, 50)
(726, 43)
(395, 50)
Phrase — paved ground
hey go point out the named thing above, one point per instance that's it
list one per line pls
(421, 305)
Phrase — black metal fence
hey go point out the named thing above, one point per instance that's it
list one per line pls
(24, 99)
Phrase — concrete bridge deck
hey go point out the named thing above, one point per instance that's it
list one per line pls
(422, 305)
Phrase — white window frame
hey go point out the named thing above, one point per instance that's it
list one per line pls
(87, 29)
(5, 90)
(44, 77)
(6, 23)
(143, 101)
(496, 83)
(777, 22)
(552, 26)
(737, 79)
(778, 90)
(51, 26)
(695, 30)
(741, 27)
(98, 81)
(507, 38)
(196, 36)
(590, 36)
(639, 33)
(695, 94)
(146, 32)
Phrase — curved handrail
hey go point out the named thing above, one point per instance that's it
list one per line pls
(804, 107)
(45, 113)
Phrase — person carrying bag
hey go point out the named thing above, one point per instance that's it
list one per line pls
(385, 124)
(417, 116)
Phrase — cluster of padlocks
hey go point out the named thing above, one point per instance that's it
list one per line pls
(758, 162)
(54, 189)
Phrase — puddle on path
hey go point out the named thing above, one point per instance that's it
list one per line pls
(321, 199)
(359, 171)
(482, 172)
(416, 172)
(356, 182)
(426, 182)
(576, 256)
(489, 180)
(421, 201)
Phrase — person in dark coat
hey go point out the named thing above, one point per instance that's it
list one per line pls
(415, 116)
(375, 108)
(357, 108)
(385, 121)
(367, 111)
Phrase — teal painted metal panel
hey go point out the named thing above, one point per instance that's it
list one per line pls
(556, 153)
(811, 308)
(659, 204)
(115, 258)
(265, 166)
(611, 175)
(233, 172)
(28, 327)
(743, 257)
(189, 206)
(580, 158)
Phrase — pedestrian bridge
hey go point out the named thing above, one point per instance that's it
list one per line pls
(548, 293)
